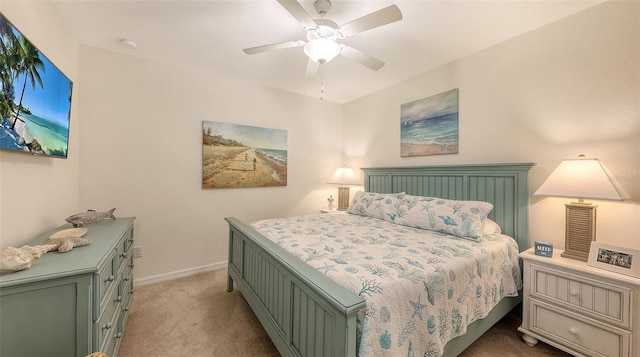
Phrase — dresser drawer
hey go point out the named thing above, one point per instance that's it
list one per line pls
(110, 340)
(117, 337)
(127, 291)
(124, 249)
(104, 282)
(128, 266)
(578, 333)
(597, 299)
(122, 254)
(105, 326)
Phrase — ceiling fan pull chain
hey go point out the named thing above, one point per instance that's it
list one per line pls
(321, 83)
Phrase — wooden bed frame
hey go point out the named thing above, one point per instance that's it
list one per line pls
(307, 314)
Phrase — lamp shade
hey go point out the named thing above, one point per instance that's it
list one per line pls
(322, 50)
(582, 178)
(344, 176)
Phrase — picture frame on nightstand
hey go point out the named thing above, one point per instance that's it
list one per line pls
(616, 259)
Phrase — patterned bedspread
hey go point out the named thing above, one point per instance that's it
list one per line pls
(422, 288)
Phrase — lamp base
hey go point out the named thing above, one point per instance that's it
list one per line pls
(575, 256)
(580, 230)
(343, 198)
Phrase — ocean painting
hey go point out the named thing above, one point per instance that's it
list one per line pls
(35, 102)
(429, 126)
(235, 156)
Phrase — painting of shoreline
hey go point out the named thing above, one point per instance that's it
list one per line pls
(235, 156)
(429, 126)
(35, 102)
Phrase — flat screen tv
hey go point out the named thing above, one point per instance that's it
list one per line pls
(36, 98)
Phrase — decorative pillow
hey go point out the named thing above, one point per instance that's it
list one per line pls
(464, 219)
(377, 205)
(491, 227)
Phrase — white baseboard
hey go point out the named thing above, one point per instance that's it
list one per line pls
(179, 274)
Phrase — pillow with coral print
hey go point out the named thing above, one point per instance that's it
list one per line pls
(377, 205)
(463, 219)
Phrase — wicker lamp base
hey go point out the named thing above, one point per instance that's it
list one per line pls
(580, 230)
(343, 198)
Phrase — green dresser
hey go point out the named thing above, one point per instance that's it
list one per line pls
(73, 303)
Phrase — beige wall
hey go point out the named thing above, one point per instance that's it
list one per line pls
(142, 153)
(37, 193)
(569, 88)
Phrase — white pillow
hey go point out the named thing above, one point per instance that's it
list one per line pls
(377, 205)
(463, 219)
(491, 227)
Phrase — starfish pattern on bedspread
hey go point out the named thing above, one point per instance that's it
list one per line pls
(422, 288)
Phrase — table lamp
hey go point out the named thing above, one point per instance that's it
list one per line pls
(344, 176)
(581, 178)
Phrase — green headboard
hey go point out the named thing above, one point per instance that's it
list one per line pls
(506, 186)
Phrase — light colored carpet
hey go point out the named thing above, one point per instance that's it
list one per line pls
(196, 317)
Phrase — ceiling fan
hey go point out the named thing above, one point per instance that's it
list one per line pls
(322, 35)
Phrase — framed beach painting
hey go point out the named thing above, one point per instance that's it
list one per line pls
(429, 126)
(235, 156)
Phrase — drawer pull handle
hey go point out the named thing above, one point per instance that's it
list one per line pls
(118, 335)
(131, 291)
(107, 326)
(110, 278)
(125, 309)
(574, 293)
(123, 255)
(118, 299)
(573, 331)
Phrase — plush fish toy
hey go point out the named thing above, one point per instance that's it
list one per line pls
(91, 216)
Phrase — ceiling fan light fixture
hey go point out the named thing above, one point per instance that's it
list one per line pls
(322, 50)
(325, 29)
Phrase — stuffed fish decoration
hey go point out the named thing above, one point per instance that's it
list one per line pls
(91, 216)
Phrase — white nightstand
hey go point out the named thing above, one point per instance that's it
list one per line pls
(579, 309)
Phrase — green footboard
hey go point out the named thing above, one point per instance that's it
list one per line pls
(304, 312)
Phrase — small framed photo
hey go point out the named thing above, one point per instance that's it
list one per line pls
(617, 259)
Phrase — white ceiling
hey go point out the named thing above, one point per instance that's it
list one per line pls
(211, 35)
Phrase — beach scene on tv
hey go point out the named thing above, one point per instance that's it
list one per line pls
(235, 156)
(36, 98)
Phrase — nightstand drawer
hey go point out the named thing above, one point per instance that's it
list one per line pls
(581, 334)
(597, 299)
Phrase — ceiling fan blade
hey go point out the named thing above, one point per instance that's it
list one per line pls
(312, 69)
(299, 13)
(272, 47)
(375, 19)
(362, 58)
